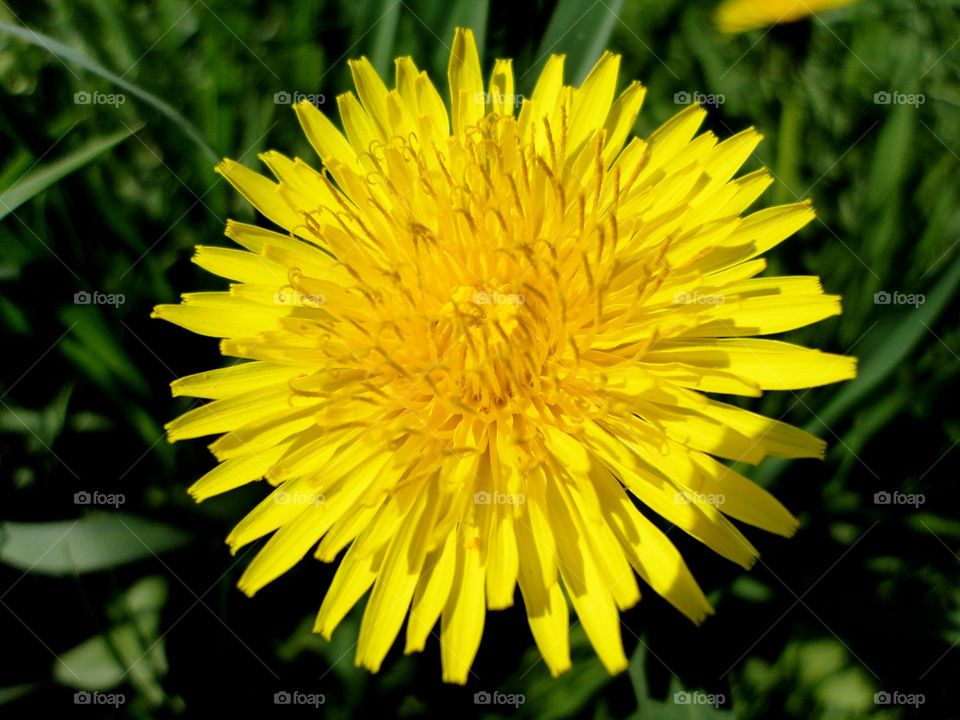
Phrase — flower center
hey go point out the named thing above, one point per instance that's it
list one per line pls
(486, 310)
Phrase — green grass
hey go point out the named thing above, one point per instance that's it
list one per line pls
(110, 198)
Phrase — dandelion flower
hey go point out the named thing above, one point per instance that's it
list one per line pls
(485, 347)
(735, 16)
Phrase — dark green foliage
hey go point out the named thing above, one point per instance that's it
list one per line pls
(110, 197)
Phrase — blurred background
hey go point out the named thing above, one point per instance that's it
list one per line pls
(118, 592)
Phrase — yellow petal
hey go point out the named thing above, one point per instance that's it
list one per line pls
(644, 472)
(262, 194)
(544, 99)
(726, 158)
(697, 432)
(235, 472)
(373, 94)
(776, 438)
(359, 126)
(354, 577)
(543, 599)
(651, 553)
(623, 114)
(332, 147)
(592, 101)
(742, 499)
(461, 625)
(280, 507)
(466, 82)
(549, 620)
(501, 94)
(222, 316)
(585, 585)
(396, 582)
(234, 379)
(671, 138)
(766, 315)
(301, 186)
(431, 594)
(406, 83)
(735, 16)
(770, 364)
(239, 265)
(229, 413)
(432, 106)
(264, 432)
(767, 228)
(502, 560)
(598, 538)
(344, 532)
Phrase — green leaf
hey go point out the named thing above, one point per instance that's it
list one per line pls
(14, 692)
(581, 30)
(848, 693)
(16, 167)
(752, 590)
(94, 347)
(94, 542)
(789, 151)
(21, 420)
(891, 159)
(68, 54)
(131, 651)
(940, 526)
(384, 37)
(680, 704)
(12, 317)
(40, 178)
(91, 665)
(547, 698)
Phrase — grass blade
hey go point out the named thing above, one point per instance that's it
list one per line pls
(581, 30)
(69, 54)
(39, 179)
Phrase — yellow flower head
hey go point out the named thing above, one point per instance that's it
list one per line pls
(483, 339)
(739, 15)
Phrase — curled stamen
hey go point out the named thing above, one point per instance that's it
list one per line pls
(373, 147)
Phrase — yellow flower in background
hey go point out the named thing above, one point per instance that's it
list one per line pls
(739, 15)
(483, 339)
